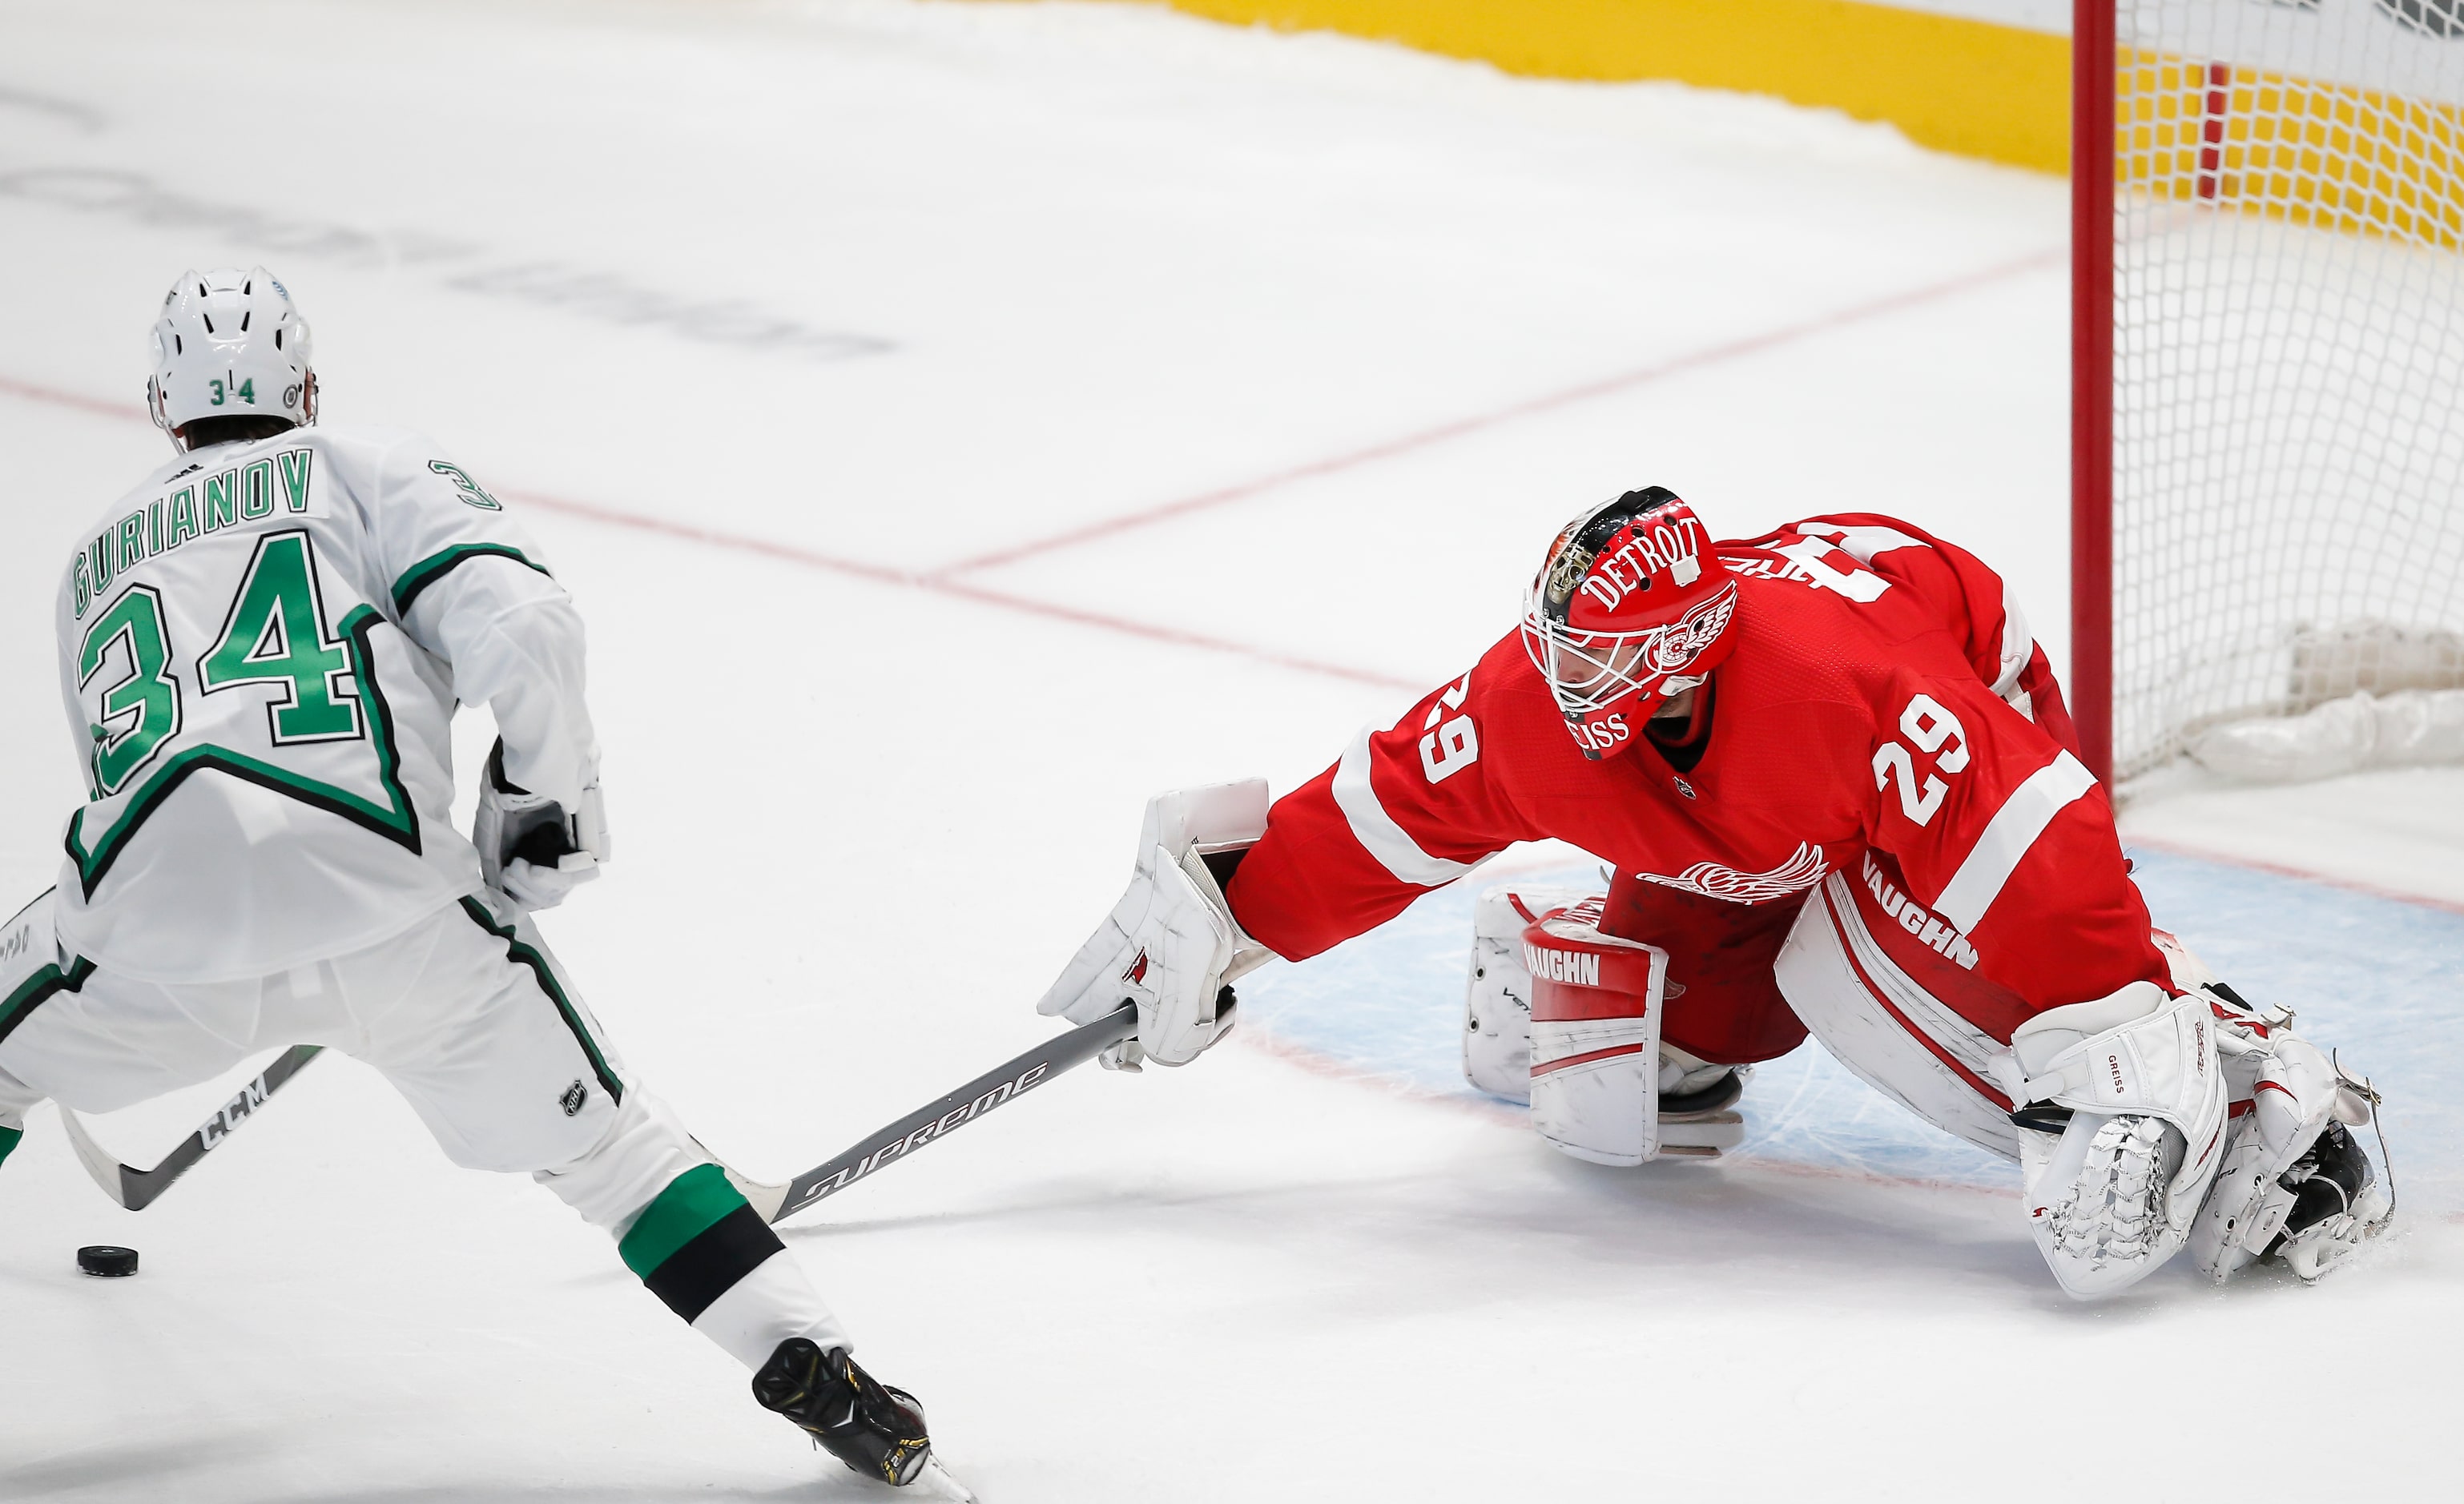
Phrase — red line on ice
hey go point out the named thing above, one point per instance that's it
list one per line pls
(857, 569)
(813, 559)
(1752, 344)
(85, 404)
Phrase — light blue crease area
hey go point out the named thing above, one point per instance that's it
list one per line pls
(2380, 980)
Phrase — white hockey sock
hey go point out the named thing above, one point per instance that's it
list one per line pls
(765, 1308)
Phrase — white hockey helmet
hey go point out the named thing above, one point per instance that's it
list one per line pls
(230, 346)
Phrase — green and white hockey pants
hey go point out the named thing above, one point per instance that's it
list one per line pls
(473, 1020)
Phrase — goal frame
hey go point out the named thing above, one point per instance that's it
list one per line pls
(2093, 67)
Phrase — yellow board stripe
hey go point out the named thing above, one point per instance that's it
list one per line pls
(1971, 87)
(2330, 155)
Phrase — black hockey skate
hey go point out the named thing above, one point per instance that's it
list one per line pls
(2328, 1181)
(874, 1429)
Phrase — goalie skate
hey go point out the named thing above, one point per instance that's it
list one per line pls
(2295, 1184)
(1698, 1118)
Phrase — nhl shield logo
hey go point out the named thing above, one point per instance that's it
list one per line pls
(574, 1097)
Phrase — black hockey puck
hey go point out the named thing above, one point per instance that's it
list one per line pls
(111, 1263)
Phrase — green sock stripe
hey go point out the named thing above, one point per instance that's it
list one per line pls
(693, 1202)
(9, 1137)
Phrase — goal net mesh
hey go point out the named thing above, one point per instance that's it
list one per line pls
(2288, 360)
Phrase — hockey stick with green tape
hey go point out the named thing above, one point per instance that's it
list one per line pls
(135, 1189)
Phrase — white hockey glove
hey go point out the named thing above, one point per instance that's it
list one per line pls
(1170, 944)
(2112, 1192)
(531, 849)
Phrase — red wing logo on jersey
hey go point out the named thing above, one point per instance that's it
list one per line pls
(1136, 974)
(1711, 880)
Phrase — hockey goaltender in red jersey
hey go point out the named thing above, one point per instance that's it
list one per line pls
(1839, 792)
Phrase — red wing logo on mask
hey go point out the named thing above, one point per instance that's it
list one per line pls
(1674, 649)
(1136, 974)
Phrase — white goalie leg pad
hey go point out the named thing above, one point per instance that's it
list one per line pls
(2114, 1195)
(1596, 1081)
(1601, 1085)
(1885, 1025)
(1497, 997)
(1595, 1007)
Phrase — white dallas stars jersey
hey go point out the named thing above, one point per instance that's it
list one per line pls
(261, 649)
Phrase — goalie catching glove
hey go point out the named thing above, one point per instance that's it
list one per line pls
(1171, 944)
(533, 849)
(2152, 1123)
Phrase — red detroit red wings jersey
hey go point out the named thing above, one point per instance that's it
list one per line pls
(1882, 696)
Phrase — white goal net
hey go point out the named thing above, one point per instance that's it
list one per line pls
(2288, 448)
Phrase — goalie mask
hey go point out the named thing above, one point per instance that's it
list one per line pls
(1631, 607)
(230, 346)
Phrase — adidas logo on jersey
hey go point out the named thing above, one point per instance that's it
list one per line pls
(1914, 917)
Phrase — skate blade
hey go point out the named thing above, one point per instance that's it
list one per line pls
(937, 1482)
(1701, 1135)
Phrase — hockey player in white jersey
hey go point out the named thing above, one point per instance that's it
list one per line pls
(262, 648)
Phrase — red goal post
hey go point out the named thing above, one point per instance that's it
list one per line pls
(2267, 361)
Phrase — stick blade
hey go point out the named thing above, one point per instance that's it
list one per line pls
(765, 1198)
(99, 1162)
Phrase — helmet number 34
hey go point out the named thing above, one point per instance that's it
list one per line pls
(1936, 733)
(246, 392)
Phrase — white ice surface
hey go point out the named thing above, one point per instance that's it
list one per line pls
(1119, 259)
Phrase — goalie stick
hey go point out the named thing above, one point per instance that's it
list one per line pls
(929, 1124)
(135, 1189)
